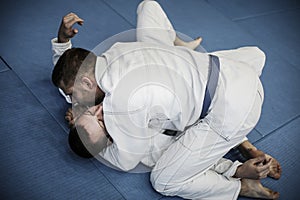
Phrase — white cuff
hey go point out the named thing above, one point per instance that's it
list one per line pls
(58, 45)
(59, 48)
(231, 171)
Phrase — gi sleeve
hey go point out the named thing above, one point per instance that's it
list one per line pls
(226, 167)
(122, 160)
(58, 49)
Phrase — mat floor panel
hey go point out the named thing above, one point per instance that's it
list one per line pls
(125, 182)
(281, 93)
(32, 28)
(35, 161)
(283, 145)
(235, 9)
(254, 136)
(281, 37)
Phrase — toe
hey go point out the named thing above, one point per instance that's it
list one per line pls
(275, 171)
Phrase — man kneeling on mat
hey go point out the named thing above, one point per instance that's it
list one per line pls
(173, 109)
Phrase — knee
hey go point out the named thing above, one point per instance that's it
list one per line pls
(155, 181)
(161, 186)
(149, 5)
(261, 59)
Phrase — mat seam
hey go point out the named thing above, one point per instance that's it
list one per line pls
(39, 101)
(263, 14)
(106, 178)
(6, 65)
(123, 17)
(62, 127)
(278, 128)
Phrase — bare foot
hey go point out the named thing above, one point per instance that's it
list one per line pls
(249, 151)
(194, 44)
(275, 169)
(254, 189)
(191, 45)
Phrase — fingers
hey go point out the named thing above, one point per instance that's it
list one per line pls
(264, 169)
(65, 31)
(101, 124)
(99, 112)
(70, 19)
(258, 160)
(265, 166)
(69, 115)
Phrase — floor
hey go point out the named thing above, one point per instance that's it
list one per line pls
(35, 161)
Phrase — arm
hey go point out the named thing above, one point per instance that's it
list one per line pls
(94, 136)
(63, 42)
(65, 33)
(256, 168)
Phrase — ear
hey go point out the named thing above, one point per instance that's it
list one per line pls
(87, 83)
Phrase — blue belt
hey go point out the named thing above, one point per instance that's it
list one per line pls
(212, 83)
(214, 65)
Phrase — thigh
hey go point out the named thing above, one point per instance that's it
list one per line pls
(254, 114)
(194, 153)
(252, 56)
(153, 25)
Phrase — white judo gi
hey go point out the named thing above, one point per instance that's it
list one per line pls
(151, 85)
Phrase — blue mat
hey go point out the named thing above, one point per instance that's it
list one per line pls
(35, 161)
(282, 93)
(283, 144)
(32, 28)
(279, 32)
(238, 10)
(3, 66)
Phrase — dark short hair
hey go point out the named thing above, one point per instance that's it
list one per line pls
(76, 144)
(69, 63)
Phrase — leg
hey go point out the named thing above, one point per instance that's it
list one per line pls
(189, 168)
(253, 188)
(183, 171)
(191, 45)
(154, 26)
(196, 152)
(253, 56)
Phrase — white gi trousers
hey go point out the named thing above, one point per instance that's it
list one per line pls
(193, 167)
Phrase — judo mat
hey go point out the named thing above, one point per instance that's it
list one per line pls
(36, 162)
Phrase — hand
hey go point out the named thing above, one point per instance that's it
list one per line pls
(73, 113)
(66, 30)
(69, 117)
(92, 127)
(256, 168)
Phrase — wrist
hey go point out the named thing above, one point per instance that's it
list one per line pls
(62, 40)
(237, 173)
